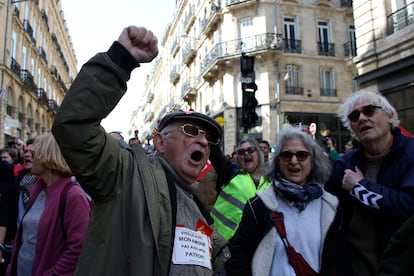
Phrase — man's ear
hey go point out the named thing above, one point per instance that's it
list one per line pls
(159, 143)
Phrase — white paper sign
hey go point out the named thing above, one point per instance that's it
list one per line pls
(191, 247)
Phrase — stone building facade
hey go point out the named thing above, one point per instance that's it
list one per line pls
(303, 67)
(38, 64)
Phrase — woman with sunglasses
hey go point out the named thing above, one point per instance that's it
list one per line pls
(375, 182)
(228, 208)
(297, 173)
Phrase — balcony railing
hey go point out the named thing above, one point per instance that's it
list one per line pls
(188, 86)
(27, 78)
(326, 49)
(350, 49)
(175, 74)
(292, 46)
(41, 96)
(28, 29)
(53, 106)
(294, 90)
(236, 2)
(189, 18)
(15, 66)
(400, 19)
(189, 51)
(42, 53)
(261, 42)
(346, 3)
(328, 92)
(209, 24)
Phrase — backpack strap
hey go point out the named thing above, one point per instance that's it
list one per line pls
(296, 260)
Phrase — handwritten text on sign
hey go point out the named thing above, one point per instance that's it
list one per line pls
(191, 247)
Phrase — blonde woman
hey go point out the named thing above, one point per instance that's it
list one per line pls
(50, 236)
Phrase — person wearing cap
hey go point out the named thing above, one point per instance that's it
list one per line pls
(146, 219)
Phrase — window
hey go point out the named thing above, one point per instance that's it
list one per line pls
(350, 45)
(292, 44)
(402, 14)
(292, 82)
(327, 81)
(246, 30)
(325, 47)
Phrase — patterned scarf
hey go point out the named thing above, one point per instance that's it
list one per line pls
(298, 195)
(27, 181)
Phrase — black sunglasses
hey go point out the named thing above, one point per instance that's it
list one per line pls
(368, 111)
(194, 131)
(300, 155)
(248, 150)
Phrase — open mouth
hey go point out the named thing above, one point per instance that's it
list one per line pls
(364, 128)
(294, 170)
(197, 156)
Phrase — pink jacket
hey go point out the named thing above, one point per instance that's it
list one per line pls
(58, 244)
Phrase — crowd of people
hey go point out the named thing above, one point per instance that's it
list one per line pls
(81, 201)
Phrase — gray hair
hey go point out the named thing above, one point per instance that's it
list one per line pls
(321, 166)
(365, 97)
(256, 145)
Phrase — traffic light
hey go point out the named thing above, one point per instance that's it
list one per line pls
(249, 115)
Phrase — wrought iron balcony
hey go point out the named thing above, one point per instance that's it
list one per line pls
(27, 78)
(188, 89)
(28, 29)
(292, 46)
(346, 3)
(53, 106)
(400, 19)
(41, 96)
(189, 18)
(232, 48)
(42, 53)
(294, 90)
(210, 24)
(350, 49)
(237, 2)
(189, 51)
(175, 74)
(15, 66)
(328, 92)
(326, 49)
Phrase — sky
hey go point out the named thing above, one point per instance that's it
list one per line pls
(94, 25)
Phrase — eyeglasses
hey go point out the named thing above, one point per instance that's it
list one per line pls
(194, 131)
(248, 150)
(300, 155)
(368, 111)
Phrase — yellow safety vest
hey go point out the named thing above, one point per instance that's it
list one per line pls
(228, 208)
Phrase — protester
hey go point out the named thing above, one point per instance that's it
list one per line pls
(14, 198)
(375, 182)
(265, 148)
(331, 146)
(18, 145)
(145, 215)
(228, 208)
(9, 155)
(351, 144)
(297, 172)
(49, 238)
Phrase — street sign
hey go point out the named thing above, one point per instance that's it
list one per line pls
(312, 128)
